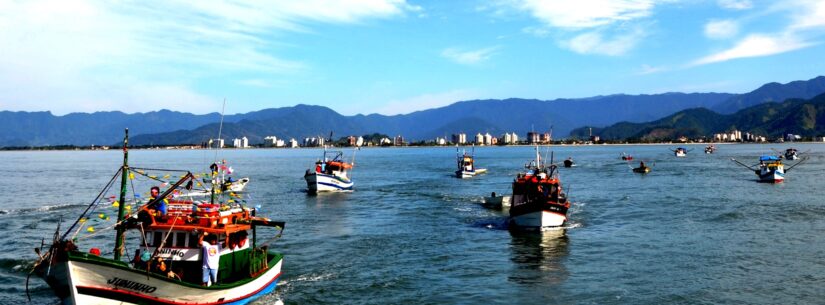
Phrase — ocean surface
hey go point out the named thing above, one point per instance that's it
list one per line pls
(697, 230)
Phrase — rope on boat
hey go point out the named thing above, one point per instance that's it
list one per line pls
(94, 202)
(159, 169)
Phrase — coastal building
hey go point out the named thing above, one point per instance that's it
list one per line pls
(293, 143)
(440, 141)
(385, 142)
(509, 138)
(271, 141)
(488, 139)
(460, 138)
(240, 143)
(493, 141)
(215, 143)
(351, 140)
(479, 139)
(359, 142)
(533, 138)
(546, 138)
(399, 141)
(280, 143)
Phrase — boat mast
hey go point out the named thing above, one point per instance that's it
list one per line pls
(120, 209)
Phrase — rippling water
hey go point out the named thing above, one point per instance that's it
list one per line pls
(697, 230)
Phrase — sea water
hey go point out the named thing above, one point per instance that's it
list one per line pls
(696, 230)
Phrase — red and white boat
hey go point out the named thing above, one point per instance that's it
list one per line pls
(538, 200)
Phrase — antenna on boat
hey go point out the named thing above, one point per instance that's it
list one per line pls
(214, 167)
(120, 209)
(220, 129)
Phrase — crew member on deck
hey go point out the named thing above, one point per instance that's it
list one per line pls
(210, 254)
(160, 206)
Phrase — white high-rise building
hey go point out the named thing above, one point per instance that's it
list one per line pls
(293, 143)
(479, 139)
(240, 143)
(271, 141)
(488, 139)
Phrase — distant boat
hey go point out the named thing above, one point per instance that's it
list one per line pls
(626, 157)
(538, 199)
(680, 152)
(497, 202)
(569, 162)
(791, 154)
(466, 165)
(710, 149)
(770, 168)
(642, 169)
(331, 174)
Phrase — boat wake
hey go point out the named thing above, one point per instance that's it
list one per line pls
(47, 208)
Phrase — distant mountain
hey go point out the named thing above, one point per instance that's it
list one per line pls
(796, 116)
(773, 92)
(494, 116)
(99, 128)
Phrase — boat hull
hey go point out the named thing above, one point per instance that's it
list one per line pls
(498, 202)
(771, 176)
(538, 220)
(97, 282)
(469, 174)
(319, 183)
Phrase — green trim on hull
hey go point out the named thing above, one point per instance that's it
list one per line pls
(106, 262)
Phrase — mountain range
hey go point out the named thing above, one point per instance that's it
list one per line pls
(495, 116)
(795, 116)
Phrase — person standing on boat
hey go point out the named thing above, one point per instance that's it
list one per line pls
(210, 254)
(160, 206)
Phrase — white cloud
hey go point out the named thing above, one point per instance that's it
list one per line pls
(586, 13)
(166, 46)
(721, 29)
(595, 42)
(648, 69)
(806, 25)
(469, 57)
(735, 4)
(755, 45)
(427, 101)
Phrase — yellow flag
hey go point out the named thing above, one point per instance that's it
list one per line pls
(82, 220)
(115, 204)
(131, 176)
(166, 176)
(101, 216)
(128, 207)
(153, 177)
(90, 229)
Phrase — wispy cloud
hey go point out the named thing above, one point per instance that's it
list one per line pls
(648, 69)
(735, 4)
(99, 45)
(721, 29)
(603, 27)
(755, 45)
(586, 13)
(806, 24)
(596, 43)
(469, 57)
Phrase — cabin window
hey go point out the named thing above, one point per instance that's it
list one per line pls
(158, 238)
(180, 239)
(193, 240)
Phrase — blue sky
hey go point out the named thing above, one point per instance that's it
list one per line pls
(391, 56)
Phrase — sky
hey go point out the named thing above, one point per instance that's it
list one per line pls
(391, 56)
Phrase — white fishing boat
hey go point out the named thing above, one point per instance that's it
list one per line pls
(538, 199)
(175, 239)
(680, 152)
(466, 165)
(497, 201)
(791, 154)
(331, 174)
(770, 168)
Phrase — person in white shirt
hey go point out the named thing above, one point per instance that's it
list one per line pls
(210, 253)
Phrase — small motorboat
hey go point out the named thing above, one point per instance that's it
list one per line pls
(770, 168)
(626, 157)
(642, 169)
(680, 152)
(497, 202)
(710, 149)
(569, 162)
(791, 154)
(466, 165)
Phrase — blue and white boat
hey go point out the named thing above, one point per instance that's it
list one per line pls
(770, 169)
(331, 174)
